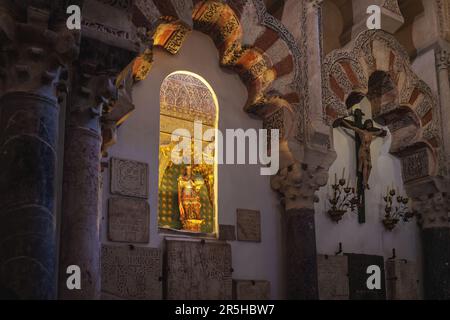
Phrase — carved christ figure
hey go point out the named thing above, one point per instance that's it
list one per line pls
(366, 134)
(188, 198)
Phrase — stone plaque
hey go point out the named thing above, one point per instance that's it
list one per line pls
(332, 276)
(128, 220)
(198, 270)
(131, 272)
(129, 178)
(248, 225)
(415, 166)
(227, 232)
(402, 280)
(357, 272)
(251, 290)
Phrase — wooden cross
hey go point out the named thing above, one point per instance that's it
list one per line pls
(365, 132)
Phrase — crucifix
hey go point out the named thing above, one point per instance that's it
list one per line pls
(365, 133)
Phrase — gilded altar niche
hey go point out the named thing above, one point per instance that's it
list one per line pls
(187, 191)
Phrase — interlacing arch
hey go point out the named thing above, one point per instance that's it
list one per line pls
(377, 67)
(219, 21)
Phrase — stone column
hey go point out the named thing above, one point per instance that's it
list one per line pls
(318, 132)
(434, 218)
(301, 256)
(297, 183)
(305, 157)
(80, 222)
(442, 65)
(31, 68)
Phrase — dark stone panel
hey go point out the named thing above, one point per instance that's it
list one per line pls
(301, 256)
(436, 260)
(357, 277)
(28, 138)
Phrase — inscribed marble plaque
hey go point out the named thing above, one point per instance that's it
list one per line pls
(402, 280)
(129, 178)
(128, 220)
(227, 232)
(131, 272)
(357, 272)
(333, 280)
(248, 225)
(251, 290)
(198, 270)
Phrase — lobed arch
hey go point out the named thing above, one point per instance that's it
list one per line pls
(270, 76)
(377, 67)
(255, 63)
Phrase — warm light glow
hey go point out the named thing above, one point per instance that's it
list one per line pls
(212, 101)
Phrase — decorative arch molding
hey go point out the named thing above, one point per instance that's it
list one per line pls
(377, 67)
(257, 65)
(270, 63)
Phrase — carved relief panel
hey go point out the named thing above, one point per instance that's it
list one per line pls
(129, 178)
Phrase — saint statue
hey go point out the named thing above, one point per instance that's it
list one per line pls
(367, 133)
(189, 200)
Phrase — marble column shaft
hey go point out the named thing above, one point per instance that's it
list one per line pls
(301, 256)
(28, 141)
(436, 257)
(80, 222)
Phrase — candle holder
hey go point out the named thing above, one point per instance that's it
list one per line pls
(396, 209)
(344, 198)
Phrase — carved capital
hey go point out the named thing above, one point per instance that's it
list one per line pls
(102, 94)
(34, 58)
(303, 171)
(298, 184)
(432, 210)
(94, 94)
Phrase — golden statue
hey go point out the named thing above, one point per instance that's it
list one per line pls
(189, 200)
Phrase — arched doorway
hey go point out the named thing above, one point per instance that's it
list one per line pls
(187, 187)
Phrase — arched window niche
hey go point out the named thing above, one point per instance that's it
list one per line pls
(187, 196)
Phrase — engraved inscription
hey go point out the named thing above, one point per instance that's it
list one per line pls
(248, 225)
(128, 220)
(332, 276)
(251, 290)
(198, 271)
(129, 178)
(131, 273)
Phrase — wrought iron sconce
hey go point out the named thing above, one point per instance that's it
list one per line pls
(396, 209)
(344, 198)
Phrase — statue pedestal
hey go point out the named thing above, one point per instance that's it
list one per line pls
(193, 225)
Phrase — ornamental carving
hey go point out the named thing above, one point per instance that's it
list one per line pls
(186, 96)
(402, 94)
